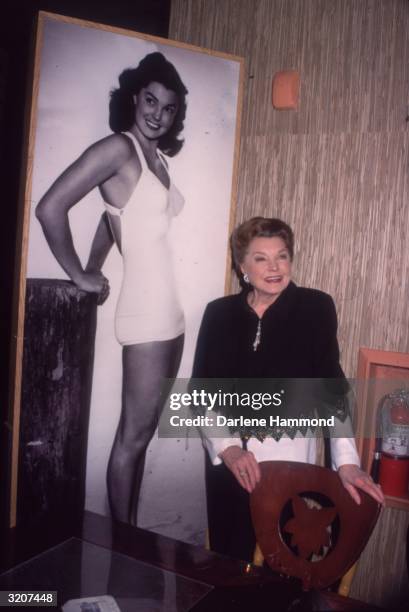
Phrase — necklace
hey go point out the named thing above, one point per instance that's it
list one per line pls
(257, 339)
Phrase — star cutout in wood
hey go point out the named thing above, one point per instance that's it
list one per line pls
(309, 527)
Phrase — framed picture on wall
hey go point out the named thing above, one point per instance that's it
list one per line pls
(132, 155)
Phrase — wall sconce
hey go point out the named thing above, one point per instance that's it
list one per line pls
(286, 89)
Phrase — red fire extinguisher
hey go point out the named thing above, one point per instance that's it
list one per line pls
(392, 445)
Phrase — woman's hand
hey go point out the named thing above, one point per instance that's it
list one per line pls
(353, 478)
(243, 465)
(93, 282)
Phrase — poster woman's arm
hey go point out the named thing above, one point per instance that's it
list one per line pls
(101, 245)
(97, 164)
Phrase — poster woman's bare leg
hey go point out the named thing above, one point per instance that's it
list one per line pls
(144, 368)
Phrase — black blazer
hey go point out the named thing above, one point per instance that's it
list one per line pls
(298, 338)
(298, 348)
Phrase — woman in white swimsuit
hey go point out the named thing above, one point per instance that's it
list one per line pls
(146, 116)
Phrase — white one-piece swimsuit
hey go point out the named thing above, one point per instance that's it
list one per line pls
(148, 307)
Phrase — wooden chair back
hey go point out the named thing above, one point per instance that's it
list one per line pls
(306, 523)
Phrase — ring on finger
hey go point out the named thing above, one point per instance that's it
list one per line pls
(242, 473)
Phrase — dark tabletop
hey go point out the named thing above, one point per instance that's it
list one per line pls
(135, 565)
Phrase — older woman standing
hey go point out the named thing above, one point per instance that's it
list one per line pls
(272, 329)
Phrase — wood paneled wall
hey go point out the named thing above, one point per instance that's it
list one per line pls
(337, 169)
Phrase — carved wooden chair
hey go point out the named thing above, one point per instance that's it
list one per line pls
(306, 523)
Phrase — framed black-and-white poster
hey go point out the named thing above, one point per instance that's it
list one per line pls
(129, 195)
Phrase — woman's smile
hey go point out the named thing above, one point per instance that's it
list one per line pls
(273, 279)
(152, 125)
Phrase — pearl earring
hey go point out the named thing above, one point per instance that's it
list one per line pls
(246, 278)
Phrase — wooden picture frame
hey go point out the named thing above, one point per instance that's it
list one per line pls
(76, 65)
(379, 373)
